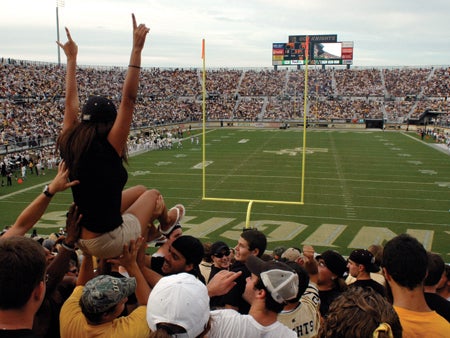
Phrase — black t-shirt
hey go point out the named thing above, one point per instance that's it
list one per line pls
(216, 302)
(214, 270)
(370, 283)
(156, 264)
(22, 333)
(438, 304)
(234, 296)
(326, 298)
(99, 195)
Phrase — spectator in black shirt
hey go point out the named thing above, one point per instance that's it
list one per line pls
(436, 271)
(360, 264)
(251, 243)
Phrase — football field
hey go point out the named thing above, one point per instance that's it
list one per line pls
(360, 187)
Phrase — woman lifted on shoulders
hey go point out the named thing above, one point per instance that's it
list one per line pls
(94, 149)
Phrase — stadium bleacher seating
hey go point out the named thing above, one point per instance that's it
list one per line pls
(32, 96)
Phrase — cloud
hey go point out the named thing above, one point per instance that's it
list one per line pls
(237, 33)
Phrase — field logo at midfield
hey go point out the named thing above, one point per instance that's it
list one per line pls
(296, 151)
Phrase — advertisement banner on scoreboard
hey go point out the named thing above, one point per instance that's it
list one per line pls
(277, 51)
(278, 45)
(347, 50)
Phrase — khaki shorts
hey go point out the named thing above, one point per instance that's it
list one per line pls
(110, 244)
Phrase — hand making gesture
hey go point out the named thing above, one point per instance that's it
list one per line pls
(139, 34)
(70, 48)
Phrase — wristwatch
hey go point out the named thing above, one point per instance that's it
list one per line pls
(47, 193)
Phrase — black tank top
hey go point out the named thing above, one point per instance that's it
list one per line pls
(99, 195)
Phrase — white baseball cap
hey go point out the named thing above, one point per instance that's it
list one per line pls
(280, 279)
(179, 299)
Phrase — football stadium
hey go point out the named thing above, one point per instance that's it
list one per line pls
(308, 198)
(371, 161)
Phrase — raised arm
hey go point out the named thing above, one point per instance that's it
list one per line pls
(34, 211)
(128, 261)
(60, 265)
(310, 263)
(86, 270)
(72, 106)
(119, 132)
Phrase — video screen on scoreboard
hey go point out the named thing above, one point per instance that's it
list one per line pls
(327, 50)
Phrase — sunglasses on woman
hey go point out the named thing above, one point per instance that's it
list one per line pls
(221, 254)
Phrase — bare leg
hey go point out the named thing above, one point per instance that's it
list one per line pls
(150, 206)
(130, 195)
(144, 208)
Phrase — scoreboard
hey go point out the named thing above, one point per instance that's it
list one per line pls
(290, 53)
(322, 50)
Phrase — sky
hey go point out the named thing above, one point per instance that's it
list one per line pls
(237, 33)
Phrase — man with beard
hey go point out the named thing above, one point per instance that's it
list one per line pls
(185, 254)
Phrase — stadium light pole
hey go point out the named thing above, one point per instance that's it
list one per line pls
(59, 3)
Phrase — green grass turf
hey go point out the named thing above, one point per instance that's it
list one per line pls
(361, 187)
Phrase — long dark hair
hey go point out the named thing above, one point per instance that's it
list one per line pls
(76, 141)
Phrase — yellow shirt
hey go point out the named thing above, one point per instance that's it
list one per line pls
(422, 324)
(74, 324)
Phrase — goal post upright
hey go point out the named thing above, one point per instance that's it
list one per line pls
(305, 120)
(251, 201)
(204, 119)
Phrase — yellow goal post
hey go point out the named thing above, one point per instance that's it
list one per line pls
(251, 201)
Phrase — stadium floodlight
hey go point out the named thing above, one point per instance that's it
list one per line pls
(59, 3)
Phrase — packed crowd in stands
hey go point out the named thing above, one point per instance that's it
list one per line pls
(31, 96)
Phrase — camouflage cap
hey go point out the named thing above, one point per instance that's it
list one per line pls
(103, 292)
